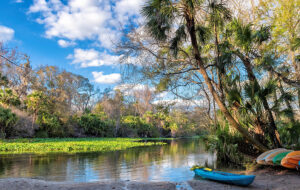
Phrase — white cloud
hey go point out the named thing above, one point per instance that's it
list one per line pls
(85, 19)
(113, 78)
(39, 6)
(64, 43)
(92, 58)
(128, 8)
(19, 1)
(6, 33)
(162, 95)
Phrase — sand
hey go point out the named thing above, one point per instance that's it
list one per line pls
(268, 179)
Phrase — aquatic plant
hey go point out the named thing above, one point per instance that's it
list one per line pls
(71, 145)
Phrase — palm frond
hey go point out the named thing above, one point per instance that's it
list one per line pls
(262, 35)
(242, 34)
(203, 33)
(180, 35)
(296, 44)
(268, 89)
(159, 15)
(219, 14)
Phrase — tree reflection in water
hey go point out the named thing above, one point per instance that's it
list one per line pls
(157, 163)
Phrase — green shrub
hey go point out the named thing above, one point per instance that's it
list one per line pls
(94, 126)
(135, 126)
(7, 121)
(289, 133)
(8, 97)
(51, 124)
(226, 144)
(41, 134)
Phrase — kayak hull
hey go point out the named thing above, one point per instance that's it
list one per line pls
(261, 158)
(269, 158)
(291, 160)
(277, 159)
(224, 177)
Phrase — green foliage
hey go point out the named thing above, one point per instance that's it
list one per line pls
(138, 127)
(242, 34)
(37, 102)
(180, 35)
(7, 121)
(203, 33)
(93, 125)
(71, 145)
(262, 35)
(51, 124)
(163, 84)
(289, 133)
(160, 14)
(3, 80)
(41, 134)
(7, 97)
(226, 144)
(219, 14)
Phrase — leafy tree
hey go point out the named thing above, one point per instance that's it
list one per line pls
(160, 20)
(51, 125)
(7, 97)
(37, 103)
(247, 42)
(93, 125)
(7, 121)
(285, 38)
(114, 107)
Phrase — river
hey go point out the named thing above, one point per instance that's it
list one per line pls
(169, 162)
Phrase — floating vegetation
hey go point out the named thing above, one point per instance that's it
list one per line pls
(71, 145)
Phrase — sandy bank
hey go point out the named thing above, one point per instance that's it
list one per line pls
(266, 179)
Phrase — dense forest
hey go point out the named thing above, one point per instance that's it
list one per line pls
(244, 61)
(49, 102)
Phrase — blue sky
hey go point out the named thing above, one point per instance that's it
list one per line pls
(75, 35)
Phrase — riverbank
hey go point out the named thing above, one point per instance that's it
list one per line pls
(266, 179)
(71, 145)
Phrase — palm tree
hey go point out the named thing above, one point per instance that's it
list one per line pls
(162, 16)
(246, 39)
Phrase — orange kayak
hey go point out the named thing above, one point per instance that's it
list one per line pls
(291, 160)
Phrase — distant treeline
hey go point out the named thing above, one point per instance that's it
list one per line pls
(49, 102)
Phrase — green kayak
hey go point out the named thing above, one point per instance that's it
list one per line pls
(277, 159)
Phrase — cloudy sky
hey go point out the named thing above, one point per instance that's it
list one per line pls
(75, 35)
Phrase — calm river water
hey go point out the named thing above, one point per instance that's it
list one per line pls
(169, 162)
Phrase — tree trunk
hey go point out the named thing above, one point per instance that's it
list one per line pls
(191, 28)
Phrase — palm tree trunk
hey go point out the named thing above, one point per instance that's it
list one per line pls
(191, 29)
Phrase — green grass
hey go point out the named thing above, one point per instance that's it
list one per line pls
(70, 145)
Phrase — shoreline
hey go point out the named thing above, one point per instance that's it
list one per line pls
(267, 178)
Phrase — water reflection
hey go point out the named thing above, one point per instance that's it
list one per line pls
(157, 163)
